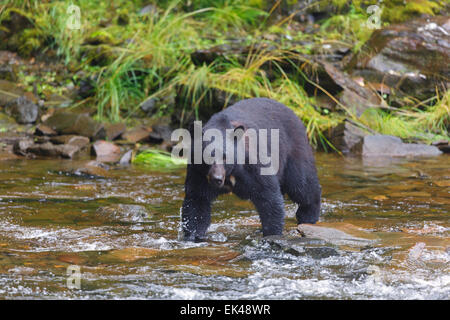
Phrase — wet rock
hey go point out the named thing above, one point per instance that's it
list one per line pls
(78, 124)
(333, 236)
(390, 146)
(137, 134)
(346, 136)
(113, 131)
(127, 213)
(314, 248)
(23, 110)
(106, 151)
(43, 130)
(126, 158)
(412, 56)
(89, 170)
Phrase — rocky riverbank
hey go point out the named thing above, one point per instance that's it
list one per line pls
(352, 100)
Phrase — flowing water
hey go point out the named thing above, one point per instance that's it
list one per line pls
(121, 231)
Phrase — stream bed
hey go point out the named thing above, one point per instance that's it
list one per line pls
(121, 232)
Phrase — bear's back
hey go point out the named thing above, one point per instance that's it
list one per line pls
(264, 113)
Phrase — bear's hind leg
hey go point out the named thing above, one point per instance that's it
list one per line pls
(303, 188)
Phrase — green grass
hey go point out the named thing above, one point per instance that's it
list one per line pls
(150, 57)
(159, 160)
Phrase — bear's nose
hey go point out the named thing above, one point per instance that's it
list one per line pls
(217, 180)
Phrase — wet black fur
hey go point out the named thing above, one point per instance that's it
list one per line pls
(297, 176)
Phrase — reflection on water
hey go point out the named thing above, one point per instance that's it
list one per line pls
(122, 231)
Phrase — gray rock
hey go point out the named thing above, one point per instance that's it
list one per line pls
(78, 124)
(412, 56)
(390, 146)
(148, 105)
(23, 110)
(345, 136)
(333, 236)
(126, 158)
(312, 247)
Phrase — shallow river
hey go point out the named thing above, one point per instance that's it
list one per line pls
(121, 231)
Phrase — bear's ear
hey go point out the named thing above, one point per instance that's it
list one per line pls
(239, 129)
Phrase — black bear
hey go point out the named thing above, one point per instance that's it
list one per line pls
(296, 175)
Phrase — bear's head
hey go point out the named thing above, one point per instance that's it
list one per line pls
(223, 151)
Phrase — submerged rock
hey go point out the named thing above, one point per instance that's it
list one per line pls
(89, 170)
(390, 146)
(331, 235)
(128, 213)
(312, 247)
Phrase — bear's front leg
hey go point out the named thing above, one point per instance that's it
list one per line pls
(196, 209)
(270, 205)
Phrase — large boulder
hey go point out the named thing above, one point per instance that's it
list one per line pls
(78, 124)
(390, 146)
(412, 57)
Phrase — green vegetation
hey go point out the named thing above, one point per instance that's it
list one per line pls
(158, 159)
(133, 55)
